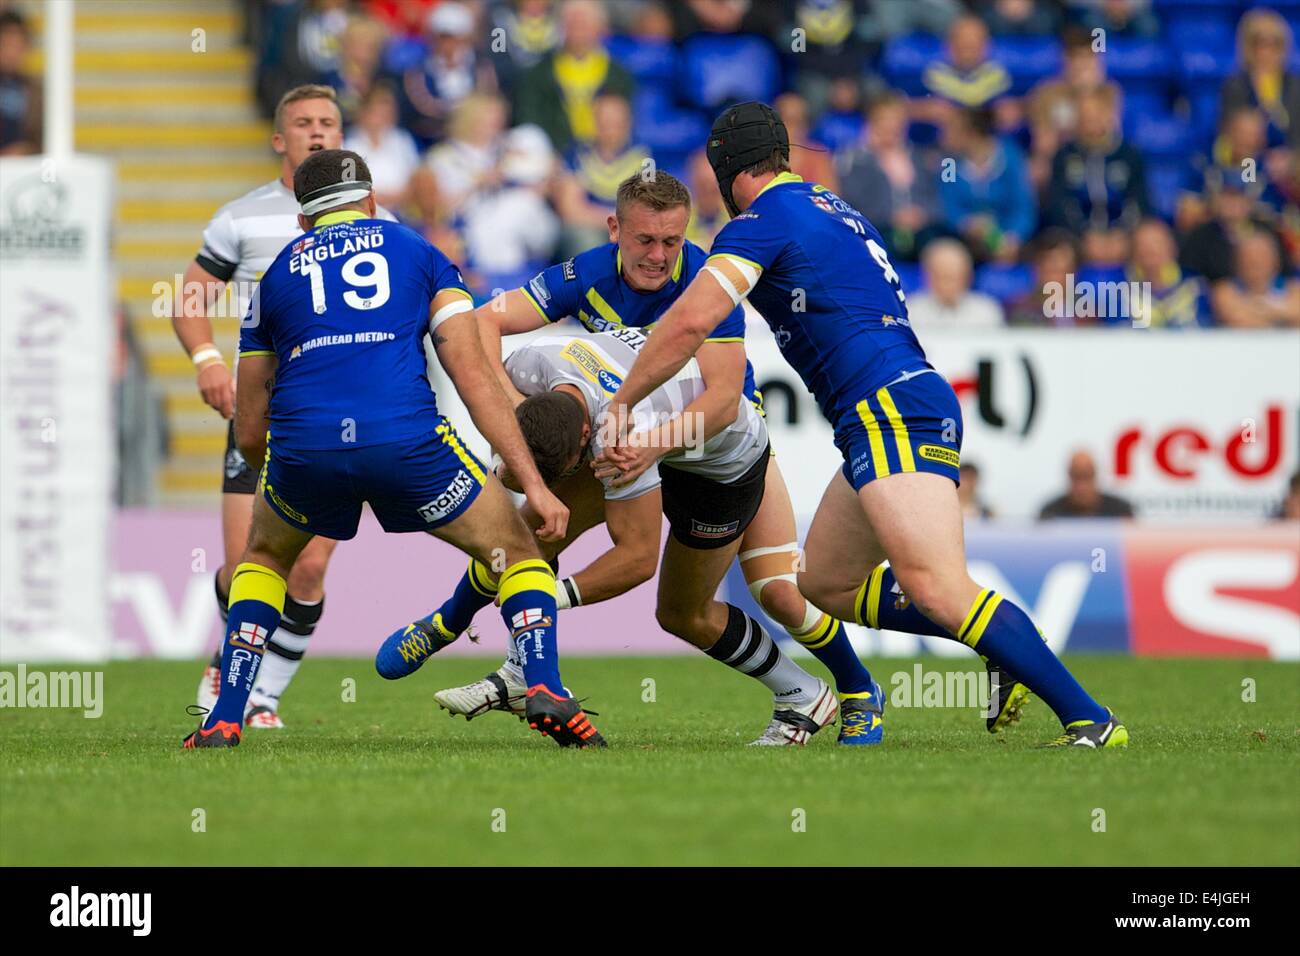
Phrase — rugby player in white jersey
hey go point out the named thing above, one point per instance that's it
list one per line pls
(708, 479)
(240, 242)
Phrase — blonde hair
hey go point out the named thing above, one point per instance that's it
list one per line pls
(659, 191)
(1260, 21)
(310, 91)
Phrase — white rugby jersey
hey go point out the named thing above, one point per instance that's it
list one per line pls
(597, 363)
(246, 234)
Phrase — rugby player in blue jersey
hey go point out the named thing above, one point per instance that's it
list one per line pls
(332, 356)
(818, 272)
(630, 282)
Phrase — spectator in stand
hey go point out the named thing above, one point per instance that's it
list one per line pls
(300, 45)
(510, 231)
(1290, 508)
(1177, 299)
(585, 194)
(726, 16)
(20, 94)
(463, 163)
(966, 78)
(1209, 250)
(1055, 258)
(833, 52)
(841, 125)
(1084, 498)
(1130, 19)
(1259, 296)
(807, 161)
(947, 301)
(402, 18)
(1098, 184)
(388, 150)
(989, 200)
(451, 71)
(1263, 46)
(884, 180)
(972, 507)
(1052, 109)
(558, 94)
(1020, 18)
(1239, 153)
(708, 214)
(884, 21)
(531, 30)
(360, 55)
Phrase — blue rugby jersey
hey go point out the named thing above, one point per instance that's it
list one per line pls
(591, 288)
(827, 290)
(345, 309)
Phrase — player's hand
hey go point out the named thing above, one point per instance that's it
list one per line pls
(217, 386)
(633, 460)
(613, 431)
(552, 511)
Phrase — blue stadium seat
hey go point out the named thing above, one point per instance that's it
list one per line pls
(649, 61)
(664, 127)
(909, 276)
(1139, 63)
(906, 58)
(717, 69)
(1027, 59)
(837, 131)
(1168, 177)
(1004, 282)
(1158, 134)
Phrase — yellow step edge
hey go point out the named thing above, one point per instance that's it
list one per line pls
(144, 60)
(199, 444)
(189, 94)
(255, 172)
(168, 210)
(131, 21)
(139, 136)
(185, 480)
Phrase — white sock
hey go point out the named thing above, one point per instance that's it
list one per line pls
(761, 658)
(277, 671)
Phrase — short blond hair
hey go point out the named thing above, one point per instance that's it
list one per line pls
(1262, 21)
(309, 91)
(657, 189)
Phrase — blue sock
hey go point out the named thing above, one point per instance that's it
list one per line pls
(256, 603)
(881, 603)
(475, 590)
(1006, 636)
(830, 644)
(527, 599)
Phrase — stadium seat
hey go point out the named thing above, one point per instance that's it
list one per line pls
(909, 276)
(1028, 59)
(649, 61)
(1158, 134)
(717, 69)
(906, 58)
(1140, 66)
(1004, 282)
(664, 127)
(1168, 177)
(837, 131)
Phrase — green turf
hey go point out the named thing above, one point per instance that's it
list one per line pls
(387, 779)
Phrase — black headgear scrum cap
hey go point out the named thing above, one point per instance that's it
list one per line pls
(743, 135)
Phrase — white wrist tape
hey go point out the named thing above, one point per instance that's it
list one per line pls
(566, 594)
(447, 311)
(206, 354)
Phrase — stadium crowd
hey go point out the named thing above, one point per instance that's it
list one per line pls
(1000, 145)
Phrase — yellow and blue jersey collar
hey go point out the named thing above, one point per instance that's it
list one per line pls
(780, 179)
(334, 218)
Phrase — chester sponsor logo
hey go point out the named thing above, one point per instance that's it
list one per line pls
(940, 454)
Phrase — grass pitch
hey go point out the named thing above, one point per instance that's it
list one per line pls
(389, 779)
